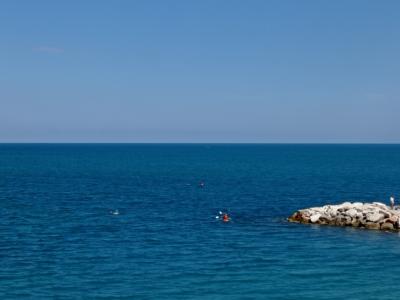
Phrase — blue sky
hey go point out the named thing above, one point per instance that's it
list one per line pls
(200, 71)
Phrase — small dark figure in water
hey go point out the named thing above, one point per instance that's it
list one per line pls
(392, 201)
(201, 184)
(226, 218)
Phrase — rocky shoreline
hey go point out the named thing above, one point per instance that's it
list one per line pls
(376, 215)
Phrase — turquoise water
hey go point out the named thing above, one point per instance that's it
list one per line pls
(59, 239)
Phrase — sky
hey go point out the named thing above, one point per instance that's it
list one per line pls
(200, 71)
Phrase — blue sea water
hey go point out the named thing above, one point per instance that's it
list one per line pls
(60, 240)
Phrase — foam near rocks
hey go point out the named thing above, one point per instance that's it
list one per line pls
(376, 215)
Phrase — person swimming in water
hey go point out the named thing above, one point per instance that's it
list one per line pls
(225, 218)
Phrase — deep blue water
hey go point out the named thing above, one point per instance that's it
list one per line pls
(58, 239)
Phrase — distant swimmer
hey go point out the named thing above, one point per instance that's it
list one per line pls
(225, 218)
(114, 212)
(202, 184)
(392, 201)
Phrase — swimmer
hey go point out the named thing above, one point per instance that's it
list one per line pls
(225, 218)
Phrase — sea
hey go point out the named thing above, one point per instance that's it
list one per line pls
(139, 221)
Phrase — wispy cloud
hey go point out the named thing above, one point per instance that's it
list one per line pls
(47, 49)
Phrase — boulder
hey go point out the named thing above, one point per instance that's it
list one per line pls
(333, 212)
(387, 226)
(372, 225)
(375, 217)
(317, 210)
(340, 221)
(325, 219)
(348, 220)
(352, 213)
(296, 217)
(305, 212)
(379, 204)
(363, 221)
(346, 205)
(392, 219)
(359, 215)
(385, 213)
(315, 218)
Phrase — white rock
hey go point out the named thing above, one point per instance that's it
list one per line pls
(346, 205)
(333, 212)
(359, 215)
(352, 213)
(387, 226)
(375, 217)
(369, 208)
(305, 212)
(317, 209)
(379, 204)
(315, 218)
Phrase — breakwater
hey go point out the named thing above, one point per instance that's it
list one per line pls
(376, 215)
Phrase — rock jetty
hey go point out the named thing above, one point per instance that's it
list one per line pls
(374, 215)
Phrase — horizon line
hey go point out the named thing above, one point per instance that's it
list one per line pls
(213, 143)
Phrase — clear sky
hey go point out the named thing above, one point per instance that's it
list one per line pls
(200, 71)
